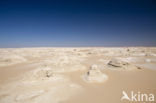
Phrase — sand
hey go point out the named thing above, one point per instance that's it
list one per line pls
(76, 75)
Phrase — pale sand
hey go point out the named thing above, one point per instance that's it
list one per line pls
(56, 75)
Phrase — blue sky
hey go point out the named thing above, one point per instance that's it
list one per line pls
(30, 23)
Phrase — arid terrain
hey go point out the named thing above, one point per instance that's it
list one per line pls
(76, 75)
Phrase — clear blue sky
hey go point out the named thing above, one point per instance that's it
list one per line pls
(29, 23)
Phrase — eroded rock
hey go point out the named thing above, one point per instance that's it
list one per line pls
(94, 75)
(118, 64)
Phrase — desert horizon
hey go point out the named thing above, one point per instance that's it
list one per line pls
(77, 51)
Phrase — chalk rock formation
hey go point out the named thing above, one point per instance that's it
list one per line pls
(94, 75)
(116, 64)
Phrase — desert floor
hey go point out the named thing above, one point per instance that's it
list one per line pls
(76, 75)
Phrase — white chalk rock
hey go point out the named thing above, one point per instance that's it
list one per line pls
(94, 75)
(117, 64)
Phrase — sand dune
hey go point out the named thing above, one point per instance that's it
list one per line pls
(75, 75)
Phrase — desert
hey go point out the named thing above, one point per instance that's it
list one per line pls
(75, 75)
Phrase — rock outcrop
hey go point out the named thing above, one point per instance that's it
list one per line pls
(117, 64)
(94, 75)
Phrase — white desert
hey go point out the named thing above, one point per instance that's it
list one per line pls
(76, 75)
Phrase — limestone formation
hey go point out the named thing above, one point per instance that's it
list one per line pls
(118, 64)
(94, 75)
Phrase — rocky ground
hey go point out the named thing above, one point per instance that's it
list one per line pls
(75, 75)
